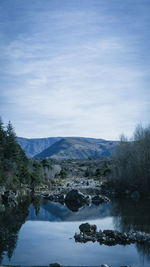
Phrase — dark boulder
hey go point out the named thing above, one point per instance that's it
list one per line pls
(75, 199)
(88, 228)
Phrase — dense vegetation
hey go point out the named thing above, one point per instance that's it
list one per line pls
(15, 168)
(132, 163)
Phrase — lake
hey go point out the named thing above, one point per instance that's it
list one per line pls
(39, 232)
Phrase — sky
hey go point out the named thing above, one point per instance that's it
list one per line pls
(75, 67)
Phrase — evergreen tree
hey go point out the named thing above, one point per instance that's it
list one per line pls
(11, 143)
(14, 164)
(2, 149)
(36, 175)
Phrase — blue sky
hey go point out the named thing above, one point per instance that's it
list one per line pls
(75, 67)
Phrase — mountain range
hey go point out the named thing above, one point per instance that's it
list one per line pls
(67, 147)
(33, 146)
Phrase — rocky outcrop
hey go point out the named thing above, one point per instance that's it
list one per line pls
(109, 237)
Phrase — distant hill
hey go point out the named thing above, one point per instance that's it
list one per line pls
(34, 146)
(78, 148)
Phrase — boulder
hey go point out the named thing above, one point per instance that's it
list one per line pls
(88, 228)
(104, 265)
(75, 199)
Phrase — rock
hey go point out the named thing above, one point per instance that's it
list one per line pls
(99, 200)
(75, 199)
(88, 228)
(104, 265)
(100, 234)
(110, 237)
(78, 237)
(135, 195)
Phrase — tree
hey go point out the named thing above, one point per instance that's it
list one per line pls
(14, 165)
(132, 162)
(35, 175)
(2, 149)
(11, 143)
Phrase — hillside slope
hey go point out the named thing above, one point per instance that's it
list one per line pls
(34, 146)
(78, 148)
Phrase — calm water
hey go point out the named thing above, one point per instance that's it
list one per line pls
(39, 233)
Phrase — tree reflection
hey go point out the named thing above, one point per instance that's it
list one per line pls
(11, 221)
(130, 215)
(35, 200)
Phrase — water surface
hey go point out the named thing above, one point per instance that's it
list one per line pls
(40, 232)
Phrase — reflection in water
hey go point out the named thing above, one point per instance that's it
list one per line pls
(11, 220)
(127, 215)
(131, 215)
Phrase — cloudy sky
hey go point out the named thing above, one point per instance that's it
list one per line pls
(75, 67)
